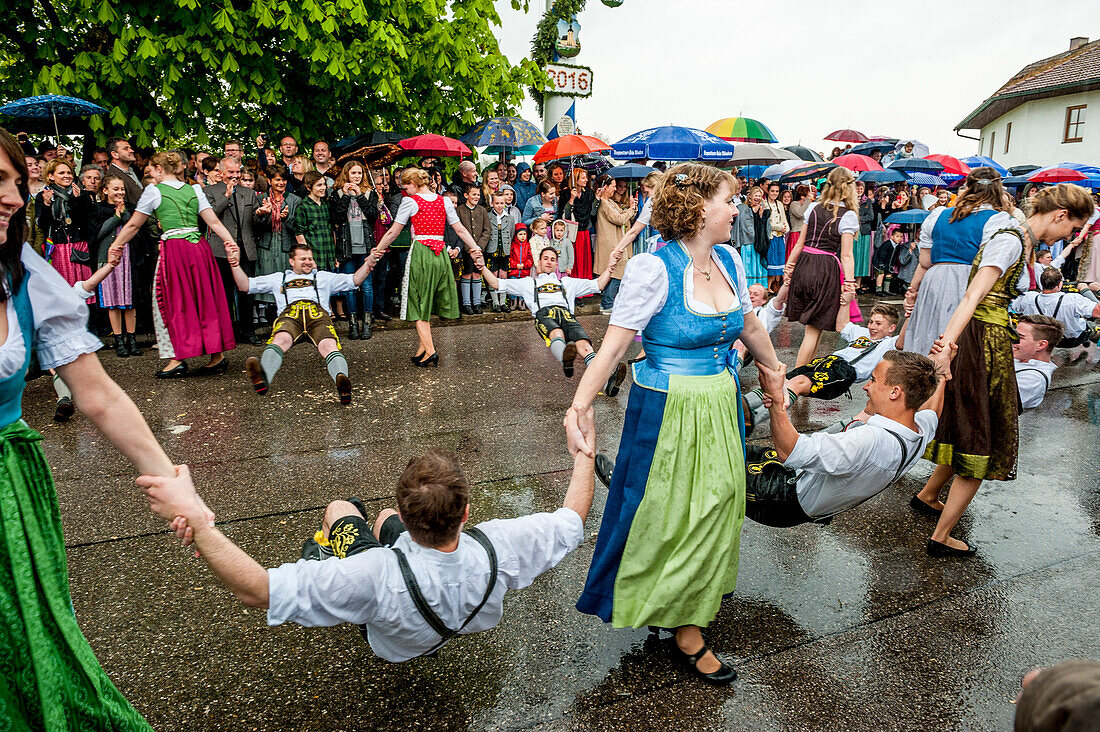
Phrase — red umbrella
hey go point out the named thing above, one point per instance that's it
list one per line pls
(568, 146)
(847, 136)
(951, 165)
(1056, 175)
(435, 145)
(856, 162)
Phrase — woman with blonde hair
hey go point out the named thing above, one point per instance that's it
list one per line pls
(63, 215)
(190, 314)
(978, 434)
(821, 265)
(669, 542)
(428, 287)
(950, 238)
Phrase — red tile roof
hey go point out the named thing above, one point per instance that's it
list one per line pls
(1064, 73)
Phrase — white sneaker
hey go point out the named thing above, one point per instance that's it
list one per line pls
(605, 311)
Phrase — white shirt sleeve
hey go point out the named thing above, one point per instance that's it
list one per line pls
(523, 287)
(833, 454)
(647, 212)
(336, 282)
(642, 292)
(929, 223)
(1001, 252)
(406, 210)
(203, 202)
(530, 545)
(579, 287)
(149, 201)
(849, 223)
(60, 315)
(80, 291)
(770, 316)
(264, 284)
(852, 331)
(1082, 306)
(313, 593)
(452, 213)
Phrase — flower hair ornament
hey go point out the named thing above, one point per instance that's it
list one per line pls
(681, 180)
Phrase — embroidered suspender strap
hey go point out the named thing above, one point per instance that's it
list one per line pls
(865, 352)
(315, 288)
(421, 602)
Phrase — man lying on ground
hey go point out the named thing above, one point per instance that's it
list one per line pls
(414, 579)
(1031, 357)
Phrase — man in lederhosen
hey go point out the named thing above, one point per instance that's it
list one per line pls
(302, 295)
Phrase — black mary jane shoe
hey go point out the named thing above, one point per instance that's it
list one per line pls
(724, 676)
(219, 368)
(605, 468)
(921, 507)
(176, 373)
(940, 550)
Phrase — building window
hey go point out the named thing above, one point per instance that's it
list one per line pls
(1075, 121)
(1008, 136)
(992, 144)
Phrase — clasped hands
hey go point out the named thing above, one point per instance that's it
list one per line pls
(175, 500)
(774, 384)
(942, 353)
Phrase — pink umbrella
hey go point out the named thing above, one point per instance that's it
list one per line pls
(847, 136)
(857, 163)
(435, 145)
(951, 165)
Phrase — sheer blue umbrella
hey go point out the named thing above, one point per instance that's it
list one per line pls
(672, 143)
(631, 171)
(912, 216)
(916, 165)
(925, 179)
(882, 176)
(981, 161)
(866, 148)
(51, 106)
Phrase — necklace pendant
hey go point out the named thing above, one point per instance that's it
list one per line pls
(707, 276)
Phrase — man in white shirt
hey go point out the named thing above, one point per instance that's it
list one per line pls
(433, 581)
(551, 299)
(1031, 357)
(1071, 309)
(302, 295)
(813, 477)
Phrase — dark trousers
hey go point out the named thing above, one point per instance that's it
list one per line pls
(240, 303)
(362, 298)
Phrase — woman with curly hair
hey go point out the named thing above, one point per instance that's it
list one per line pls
(668, 546)
(821, 264)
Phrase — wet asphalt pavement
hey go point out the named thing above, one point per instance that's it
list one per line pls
(848, 626)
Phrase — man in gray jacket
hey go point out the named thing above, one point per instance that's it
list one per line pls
(237, 207)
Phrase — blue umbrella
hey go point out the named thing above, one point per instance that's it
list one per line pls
(924, 179)
(882, 176)
(866, 148)
(1015, 180)
(509, 132)
(916, 165)
(912, 216)
(631, 171)
(521, 150)
(672, 143)
(49, 106)
(981, 161)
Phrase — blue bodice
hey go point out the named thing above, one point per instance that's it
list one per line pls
(11, 388)
(679, 340)
(958, 242)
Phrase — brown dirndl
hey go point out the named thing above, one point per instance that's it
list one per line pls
(815, 283)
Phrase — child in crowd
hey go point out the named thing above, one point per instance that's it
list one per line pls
(906, 260)
(451, 242)
(563, 245)
(476, 220)
(502, 225)
(510, 202)
(538, 237)
(520, 261)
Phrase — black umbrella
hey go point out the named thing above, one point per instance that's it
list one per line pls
(1023, 169)
(805, 153)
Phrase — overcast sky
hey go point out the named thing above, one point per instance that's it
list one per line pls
(805, 67)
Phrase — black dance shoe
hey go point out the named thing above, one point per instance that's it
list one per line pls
(618, 376)
(219, 368)
(432, 360)
(724, 676)
(940, 551)
(605, 466)
(64, 411)
(921, 507)
(382, 317)
(568, 356)
(343, 388)
(176, 373)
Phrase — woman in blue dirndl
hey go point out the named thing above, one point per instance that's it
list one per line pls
(668, 545)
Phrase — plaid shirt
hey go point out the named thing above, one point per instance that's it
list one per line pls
(314, 222)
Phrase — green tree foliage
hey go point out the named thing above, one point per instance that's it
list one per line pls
(200, 69)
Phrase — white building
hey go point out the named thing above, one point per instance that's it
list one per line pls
(1041, 116)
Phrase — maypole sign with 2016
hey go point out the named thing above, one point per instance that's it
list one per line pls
(568, 80)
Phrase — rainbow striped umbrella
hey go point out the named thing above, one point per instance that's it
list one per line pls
(742, 129)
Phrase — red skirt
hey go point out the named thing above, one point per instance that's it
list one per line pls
(192, 314)
(792, 239)
(61, 259)
(582, 256)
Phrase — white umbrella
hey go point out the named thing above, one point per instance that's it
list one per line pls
(754, 153)
(774, 171)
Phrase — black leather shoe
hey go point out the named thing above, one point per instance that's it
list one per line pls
(64, 410)
(466, 310)
(477, 310)
(382, 317)
(256, 376)
(921, 507)
(353, 330)
(724, 676)
(604, 468)
(219, 368)
(568, 356)
(432, 360)
(131, 343)
(122, 348)
(176, 373)
(940, 551)
(618, 376)
(254, 340)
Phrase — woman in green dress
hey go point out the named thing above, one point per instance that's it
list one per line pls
(49, 677)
